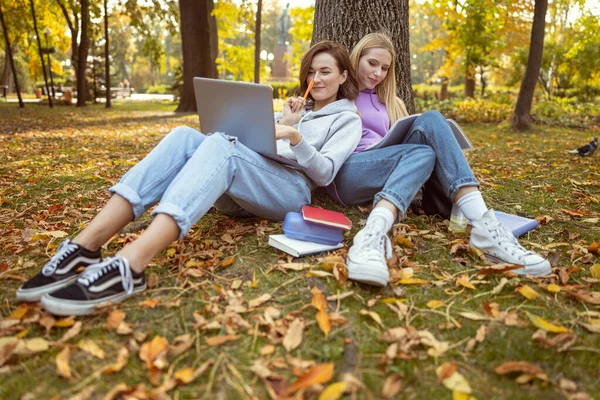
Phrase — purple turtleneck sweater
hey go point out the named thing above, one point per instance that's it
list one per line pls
(375, 119)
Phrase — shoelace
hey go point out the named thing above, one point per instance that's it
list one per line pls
(65, 249)
(507, 240)
(374, 243)
(96, 271)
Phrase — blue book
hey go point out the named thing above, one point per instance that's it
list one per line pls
(516, 224)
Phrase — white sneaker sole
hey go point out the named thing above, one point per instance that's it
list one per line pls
(35, 294)
(365, 274)
(541, 269)
(66, 308)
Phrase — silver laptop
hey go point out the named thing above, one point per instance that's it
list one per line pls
(240, 109)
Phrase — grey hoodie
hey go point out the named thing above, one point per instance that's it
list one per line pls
(329, 136)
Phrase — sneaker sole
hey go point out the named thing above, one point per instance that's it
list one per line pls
(542, 269)
(362, 276)
(65, 308)
(35, 294)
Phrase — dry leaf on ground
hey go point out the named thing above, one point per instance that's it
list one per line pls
(320, 373)
(293, 337)
(62, 363)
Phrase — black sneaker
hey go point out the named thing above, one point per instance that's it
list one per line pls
(62, 270)
(111, 281)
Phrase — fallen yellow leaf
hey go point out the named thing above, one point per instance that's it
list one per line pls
(319, 373)
(595, 271)
(331, 262)
(228, 261)
(412, 281)
(90, 347)
(149, 303)
(465, 283)
(62, 363)
(318, 300)
(184, 375)
(528, 292)
(219, 340)
(19, 312)
(65, 322)
(433, 304)
(114, 319)
(373, 316)
(545, 325)
(324, 322)
(553, 288)
(333, 391)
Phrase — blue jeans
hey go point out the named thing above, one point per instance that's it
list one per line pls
(189, 172)
(452, 170)
(396, 173)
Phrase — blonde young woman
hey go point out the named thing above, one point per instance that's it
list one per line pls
(391, 176)
(188, 172)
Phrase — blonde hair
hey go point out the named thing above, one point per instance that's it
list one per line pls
(386, 89)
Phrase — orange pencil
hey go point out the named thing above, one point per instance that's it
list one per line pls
(310, 85)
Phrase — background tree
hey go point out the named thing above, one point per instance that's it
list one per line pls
(257, 47)
(37, 34)
(106, 55)
(521, 118)
(10, 57)
(82, 54)
(198, 33)
(346, 21)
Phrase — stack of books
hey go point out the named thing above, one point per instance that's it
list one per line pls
(313, 231)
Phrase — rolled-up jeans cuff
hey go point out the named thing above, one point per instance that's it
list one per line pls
(460, 183)
(180, 217)
(131, 196)
(393, 198)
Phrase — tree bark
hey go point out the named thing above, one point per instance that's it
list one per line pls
(198, 35)
(9, 58)
(469, 79)
(257, 42)
(521, 119)
(37, 34)
(106, 56)
(74, 29)
(4, 78)
(83, 53)
(347, 21)
(444, 89)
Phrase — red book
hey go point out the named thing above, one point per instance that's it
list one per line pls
(326, 217)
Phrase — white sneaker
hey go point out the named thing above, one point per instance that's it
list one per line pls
(366, 258)
(499, 245)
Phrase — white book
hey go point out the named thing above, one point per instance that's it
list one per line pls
(300, 248)
(400, 129)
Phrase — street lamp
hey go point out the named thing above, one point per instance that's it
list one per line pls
(47, 32)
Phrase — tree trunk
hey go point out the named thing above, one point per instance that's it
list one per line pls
(469, 81)
(83, 53)
(444, 89)
(9, 59)
(521, 118)
(198, 33)
(37, 34)
(257, 42)
(106, 55)
(74, 29)
(4, 78)
(347, 21)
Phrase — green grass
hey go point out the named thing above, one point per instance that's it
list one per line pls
(57, 165)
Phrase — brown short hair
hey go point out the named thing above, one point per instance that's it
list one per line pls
(348, 89)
